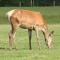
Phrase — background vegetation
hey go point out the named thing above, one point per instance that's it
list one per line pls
(29, 3)
(51, 14)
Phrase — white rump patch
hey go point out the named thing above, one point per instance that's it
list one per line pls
(10, 13)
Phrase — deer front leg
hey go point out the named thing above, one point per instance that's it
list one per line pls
(30, 35)
(37, 36)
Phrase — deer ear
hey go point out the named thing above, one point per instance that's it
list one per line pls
(51, 33)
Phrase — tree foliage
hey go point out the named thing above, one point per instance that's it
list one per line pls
(29, 2)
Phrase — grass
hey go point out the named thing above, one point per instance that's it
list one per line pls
(21, 42)
(51, 14)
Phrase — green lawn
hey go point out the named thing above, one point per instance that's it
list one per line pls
(21, 41)
(52, 16)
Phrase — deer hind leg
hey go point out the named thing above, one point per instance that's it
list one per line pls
(30, 35)
(12, 36)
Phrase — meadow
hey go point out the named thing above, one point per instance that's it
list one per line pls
(22, 52)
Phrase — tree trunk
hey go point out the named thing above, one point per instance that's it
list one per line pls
(31, 2)
(54, 2)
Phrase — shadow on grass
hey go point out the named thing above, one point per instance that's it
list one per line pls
(3, 48)
(17, 49)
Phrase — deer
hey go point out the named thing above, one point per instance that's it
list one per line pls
(30, 20)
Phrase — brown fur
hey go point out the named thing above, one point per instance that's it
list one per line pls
(30, 20)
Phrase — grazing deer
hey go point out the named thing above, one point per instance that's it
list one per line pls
(30, 20)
